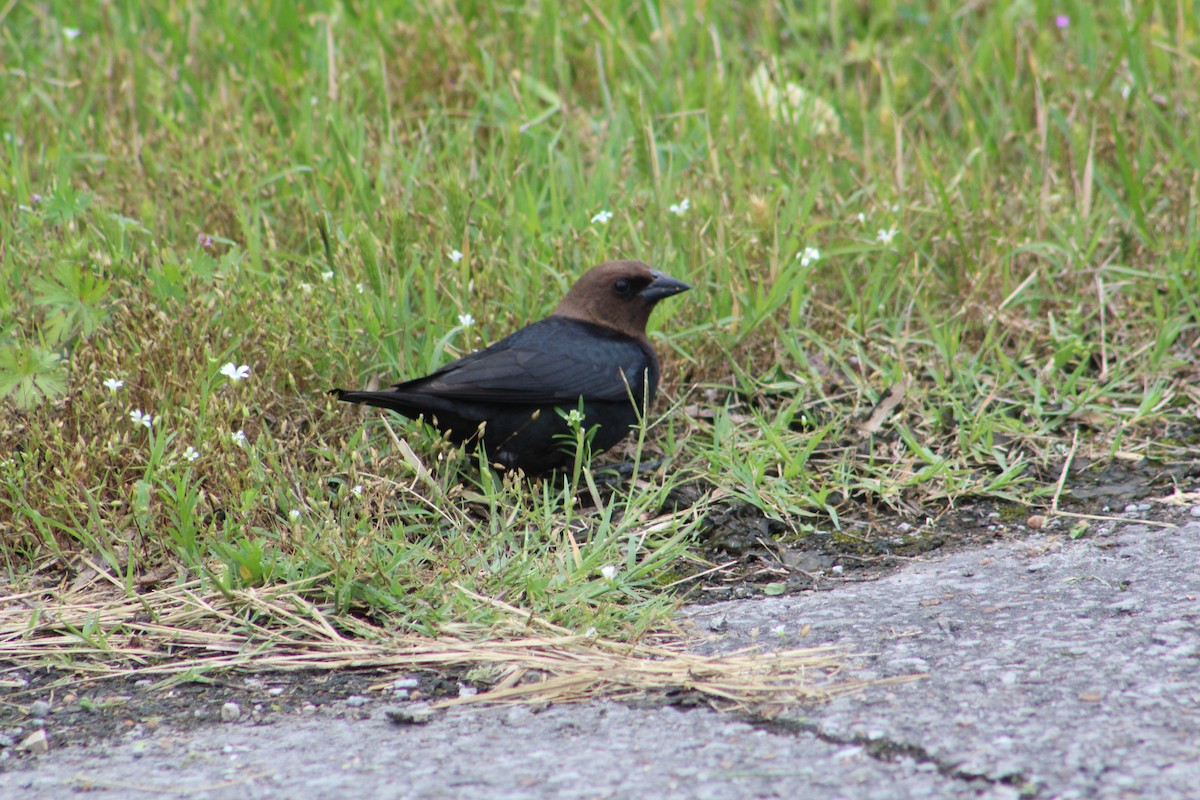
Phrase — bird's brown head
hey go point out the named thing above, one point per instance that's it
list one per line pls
(619, 295)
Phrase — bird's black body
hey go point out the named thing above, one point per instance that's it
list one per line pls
(508, 396)
(516, 385)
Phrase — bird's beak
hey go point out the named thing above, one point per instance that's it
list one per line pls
(662, 286)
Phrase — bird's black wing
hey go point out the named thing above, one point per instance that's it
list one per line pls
(556, 360)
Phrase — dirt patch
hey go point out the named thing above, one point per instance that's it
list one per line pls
(757, 553)
(88, 713)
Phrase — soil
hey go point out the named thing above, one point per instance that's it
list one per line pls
(98, 711)
(762, 553)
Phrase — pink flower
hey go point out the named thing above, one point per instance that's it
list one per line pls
(1062, 21)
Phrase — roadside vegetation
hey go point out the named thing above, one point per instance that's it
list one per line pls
(942, 254)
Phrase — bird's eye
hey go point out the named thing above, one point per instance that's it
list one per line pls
(622, 287)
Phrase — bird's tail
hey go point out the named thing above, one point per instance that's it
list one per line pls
(385, 399)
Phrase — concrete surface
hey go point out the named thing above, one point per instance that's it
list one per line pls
(1055, 669)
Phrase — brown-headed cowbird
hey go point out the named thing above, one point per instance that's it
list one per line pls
(592, 351)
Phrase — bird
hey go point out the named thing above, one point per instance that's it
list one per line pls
(512, 398)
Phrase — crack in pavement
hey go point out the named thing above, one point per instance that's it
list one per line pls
(890, 751)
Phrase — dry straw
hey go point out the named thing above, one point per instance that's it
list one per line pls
(105, 632)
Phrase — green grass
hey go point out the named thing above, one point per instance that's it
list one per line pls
(188, 184)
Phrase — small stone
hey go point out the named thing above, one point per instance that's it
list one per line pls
(400, 694)
(275, 691)
(144, 683)
(415, 715)
(837, 569)
(1194, 511)
(467, 691)
(1131, 508)
(356, 700)
(138, 748)
(308, 708)
(1036, 522)
(35, 742)
(230, 712)
(903, 527)
(518, 715)
(406, 683)
(39, 709)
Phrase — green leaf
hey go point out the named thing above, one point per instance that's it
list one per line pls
(65, 205)
(74, 296)
(31, 375)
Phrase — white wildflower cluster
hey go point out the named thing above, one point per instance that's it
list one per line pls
(793, 103)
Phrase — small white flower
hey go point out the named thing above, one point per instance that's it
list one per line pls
(141, 419)
(602, 217)
(885, 237)
(191, 454)
(574, 418)
(591, 632)
(234, 372)
(811, 255)
(455, 256)
(306, 287)
(294, 514)
(357, 490)
(608, 571)
(466, 320)
(327, 276)
(678, 209)
(239, 437)
(862, 218)
(71, 34)
(113, 384)
(360, 288)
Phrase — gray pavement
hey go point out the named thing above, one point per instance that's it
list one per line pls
(1062, 669)
(1054, 669)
